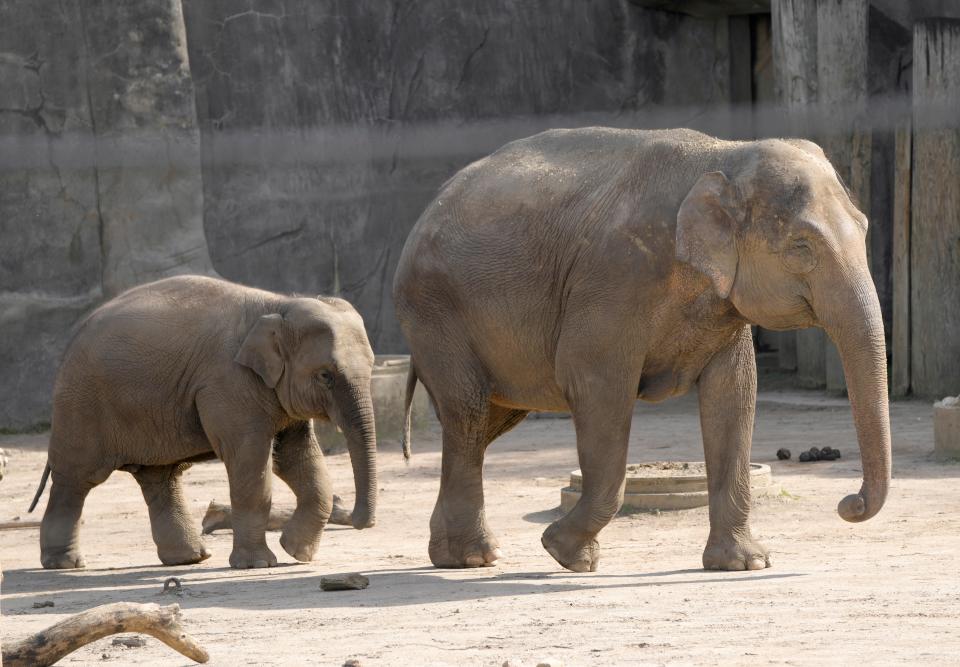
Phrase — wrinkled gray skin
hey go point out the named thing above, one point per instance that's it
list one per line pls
(579, 270)
(190, 367)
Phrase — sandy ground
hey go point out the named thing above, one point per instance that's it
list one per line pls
(883, 592)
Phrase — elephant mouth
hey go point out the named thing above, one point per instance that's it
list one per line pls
(800, 316)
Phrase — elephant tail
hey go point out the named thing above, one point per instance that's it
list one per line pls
(43, 484)
(408, 410)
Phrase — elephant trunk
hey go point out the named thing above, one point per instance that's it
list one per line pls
(854, 323)
(358, 427)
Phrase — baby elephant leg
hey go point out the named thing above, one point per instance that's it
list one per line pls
(174, 531)
(298, 461)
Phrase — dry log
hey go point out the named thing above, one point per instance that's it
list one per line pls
(52, 644)
(219, 517)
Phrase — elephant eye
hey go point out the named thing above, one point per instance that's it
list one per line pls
(325, 377)
(799, 256)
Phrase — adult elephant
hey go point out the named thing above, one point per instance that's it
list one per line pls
(187, 368)
(579, 270)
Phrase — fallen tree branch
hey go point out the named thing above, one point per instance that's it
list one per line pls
(220, 517)
(14, 525)
(50, 645)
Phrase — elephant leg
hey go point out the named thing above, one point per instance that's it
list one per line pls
(60, 528)
(728, 395)
(248, 473)
(298, 461)
(602, 408)
(459, 534)
(174, 530)
(243, 442)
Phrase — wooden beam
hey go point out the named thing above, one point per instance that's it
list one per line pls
(935, 210)
(900, 372)
(707, 8)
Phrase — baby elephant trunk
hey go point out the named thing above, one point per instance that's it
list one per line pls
(360, 431)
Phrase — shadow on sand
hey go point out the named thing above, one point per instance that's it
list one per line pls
(296, 586)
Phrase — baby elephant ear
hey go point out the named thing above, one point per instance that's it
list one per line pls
(706, 231)
(261, 350)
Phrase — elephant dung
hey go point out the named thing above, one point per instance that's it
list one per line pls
(352, 581)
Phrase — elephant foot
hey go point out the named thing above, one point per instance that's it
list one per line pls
(63, 560)
(572, 551)
(243, 558)
(300, 546)
(480, 550)
(183, 555)
(735, 553)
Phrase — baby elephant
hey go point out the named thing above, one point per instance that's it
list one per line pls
(188, 368)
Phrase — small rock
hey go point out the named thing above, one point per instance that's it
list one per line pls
(352, 581)
(351, 662)
(783, 454)
(512, 662)
(42, 604)
(804, 457)
(549, 663)
(814, 453)
(133, 641)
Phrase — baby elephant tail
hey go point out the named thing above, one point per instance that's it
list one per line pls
(408, 409)
(43, 484)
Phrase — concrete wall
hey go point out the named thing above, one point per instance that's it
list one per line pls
(303, 138)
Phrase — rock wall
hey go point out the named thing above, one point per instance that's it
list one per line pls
(327, 127)
(289, 144)
(100, 183)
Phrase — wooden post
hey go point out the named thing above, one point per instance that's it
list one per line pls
(935, 210)
(900, 372)
(842, 96)
(794, 26)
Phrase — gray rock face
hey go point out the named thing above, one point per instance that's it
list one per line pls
(49, 225)
(100, 184)
(148, 147)
(298, 140)
(327, 127)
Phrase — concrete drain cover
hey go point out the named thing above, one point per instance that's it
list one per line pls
(667, 485)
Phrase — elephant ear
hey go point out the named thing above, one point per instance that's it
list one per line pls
(261, 349)
(706, 231)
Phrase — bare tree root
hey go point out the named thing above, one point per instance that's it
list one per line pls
(219, 517)
(50, 645)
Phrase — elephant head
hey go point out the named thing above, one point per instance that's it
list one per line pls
(315, 355)
(778, 236)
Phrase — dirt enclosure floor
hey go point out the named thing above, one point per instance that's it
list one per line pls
(883, 592)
